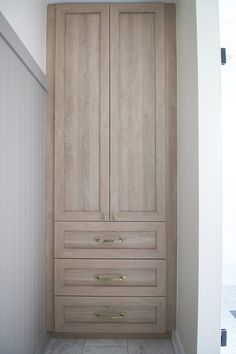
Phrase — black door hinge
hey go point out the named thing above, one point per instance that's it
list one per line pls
(223, 337)
(223, 56)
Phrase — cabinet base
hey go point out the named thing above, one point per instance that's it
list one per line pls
(164, 335)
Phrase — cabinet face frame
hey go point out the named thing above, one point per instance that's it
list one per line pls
(49, 171)
(66, 204)
(140, 193)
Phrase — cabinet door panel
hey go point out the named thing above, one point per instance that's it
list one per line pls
(82, 112)
(137, 112)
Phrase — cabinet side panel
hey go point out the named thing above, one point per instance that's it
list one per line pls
(49, 185)
(171, 163)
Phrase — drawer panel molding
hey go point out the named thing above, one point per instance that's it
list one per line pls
(110, 277)
(110, 240)
(112, 315)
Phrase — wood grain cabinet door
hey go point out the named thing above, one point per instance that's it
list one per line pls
(137, 112)
(82, 112)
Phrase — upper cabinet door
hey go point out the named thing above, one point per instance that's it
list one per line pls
(82, 112)
(137, 112)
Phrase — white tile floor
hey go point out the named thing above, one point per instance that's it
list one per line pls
(227, 320)
(92, 346)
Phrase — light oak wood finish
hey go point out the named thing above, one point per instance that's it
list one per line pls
(171, 163)
(137, 119)
(82, 112)
(110, 277)
(79, 314)
(110, 240)
(49, 170)
(141, 183)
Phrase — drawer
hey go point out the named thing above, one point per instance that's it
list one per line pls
(110, 277)
(109, 240)
(111, 315)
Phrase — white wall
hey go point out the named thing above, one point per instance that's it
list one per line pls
(228, 72)
(22, 114)
(199, 177)
(28, 19)
(187, 136)
(210, 179)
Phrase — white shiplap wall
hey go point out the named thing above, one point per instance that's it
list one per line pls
(21, 206)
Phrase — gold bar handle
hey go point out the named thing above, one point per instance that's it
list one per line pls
(119, 240)
(112, 316)
(110, 278)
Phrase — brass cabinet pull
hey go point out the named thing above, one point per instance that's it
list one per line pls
(119, 240)
(111, 278)
(104, 216)
(113, 316)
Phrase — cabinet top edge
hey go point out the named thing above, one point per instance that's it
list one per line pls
(109, 4)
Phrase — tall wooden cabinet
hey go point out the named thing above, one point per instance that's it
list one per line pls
(111, 169)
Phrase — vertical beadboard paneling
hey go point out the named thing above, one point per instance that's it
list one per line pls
(21, 206)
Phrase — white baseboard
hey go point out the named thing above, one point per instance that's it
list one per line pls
(42, 345)
(176, 343)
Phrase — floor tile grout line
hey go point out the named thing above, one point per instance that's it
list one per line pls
(84, 346)
(126, 349)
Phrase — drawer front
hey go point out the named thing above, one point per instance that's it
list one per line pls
(110, 277)
(109, 240)
(111, 315)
